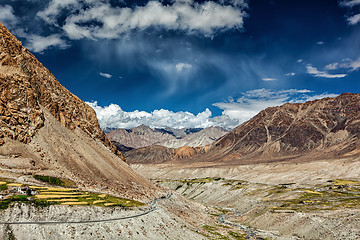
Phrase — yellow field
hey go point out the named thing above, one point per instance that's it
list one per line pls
(57, 196)
(313, 192)
(345, 182)
(63, 200)
(109, 204)
(37, 187)
(74, 203)
(60, 193)
(61, 189)
(98, 201)
(14, 184)
(103, 195)
(2, 183)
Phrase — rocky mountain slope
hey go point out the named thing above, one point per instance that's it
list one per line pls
(143, 136)
(53, 132)
(325, 128)
(197, 139)
(161, 154)
(140, 136)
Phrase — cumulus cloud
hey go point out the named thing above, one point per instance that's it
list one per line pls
(38, 43)
(105, 75)
(182, 66)
(7, 16)
(269, 79)
(234, 112)
(324, 74)
(54, 8)
(113, 116)
(100, 20)
(354, 19)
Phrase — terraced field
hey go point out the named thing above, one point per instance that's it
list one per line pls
(58, 195)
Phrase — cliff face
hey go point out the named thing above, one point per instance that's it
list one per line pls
(26, 85)
(326, 128)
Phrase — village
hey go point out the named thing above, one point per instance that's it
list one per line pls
(10, 189)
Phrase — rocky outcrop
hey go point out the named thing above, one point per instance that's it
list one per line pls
(326, 128)
(26, 86)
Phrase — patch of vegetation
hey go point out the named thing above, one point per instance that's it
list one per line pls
(49, 179)
(214, 234)
(3, 187)
(237, 236)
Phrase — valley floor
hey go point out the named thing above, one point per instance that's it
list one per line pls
(311, 200)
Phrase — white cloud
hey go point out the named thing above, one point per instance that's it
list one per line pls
(106, 75)
(54, 9)
(182, 66)
(320, 43)
(38, 43)
(269, 79)
(7, 16)
(114, 116)
(350, 3)
(234, 112)
(316, 73)
(354, 19)
(300, 61)
(205, 18)
(351, 65)
(291, 74)
(332, 66)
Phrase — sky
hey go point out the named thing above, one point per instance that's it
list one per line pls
(188, 63)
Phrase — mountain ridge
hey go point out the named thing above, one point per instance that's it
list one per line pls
(144, 136)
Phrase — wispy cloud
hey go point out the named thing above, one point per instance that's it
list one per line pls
(291, 74)
(324, 74)
(347, 64)
(267, 79)
(106, 75)
(182, 66)
(320, 43)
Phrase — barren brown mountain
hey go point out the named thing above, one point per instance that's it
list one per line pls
(52, 131)
(325, 128)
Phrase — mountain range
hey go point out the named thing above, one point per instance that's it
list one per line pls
(320, 129)
(143, 136)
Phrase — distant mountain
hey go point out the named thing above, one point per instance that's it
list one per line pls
(197, 139)
(321, 129)
(140, 136)
(143, 136)
(160, 154)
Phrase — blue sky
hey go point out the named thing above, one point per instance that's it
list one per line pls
(187, 63)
